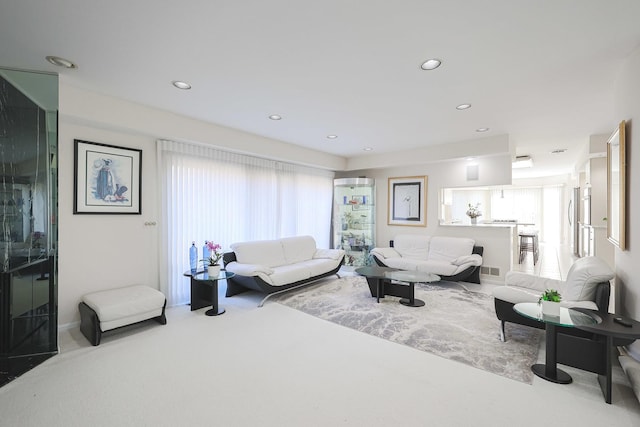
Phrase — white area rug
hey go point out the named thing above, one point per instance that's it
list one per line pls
(455, 323)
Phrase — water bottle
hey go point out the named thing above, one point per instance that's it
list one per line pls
(205, 255)
(193, 258)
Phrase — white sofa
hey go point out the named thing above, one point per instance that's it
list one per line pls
(452, 258)
(271, 266)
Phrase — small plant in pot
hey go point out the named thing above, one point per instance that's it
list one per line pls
(550, 301)
(215, 254)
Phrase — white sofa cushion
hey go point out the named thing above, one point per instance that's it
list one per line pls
(319, 266)
(264, 252)
(441, 268)
(299, 248)
(385, 253)
(248, 269)
(583, 277)
(334, 254)
(286, 274)
(414, 246)
(449, 249)
(124, 306)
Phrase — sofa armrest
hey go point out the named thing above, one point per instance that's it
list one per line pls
(248, 269)
(385, 252)
(328, 253)
(472, 260)
(529, 281)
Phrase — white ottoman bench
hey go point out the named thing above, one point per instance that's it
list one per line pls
(114, 308)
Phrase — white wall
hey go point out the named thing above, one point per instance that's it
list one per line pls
(627, 107)
(99, 252)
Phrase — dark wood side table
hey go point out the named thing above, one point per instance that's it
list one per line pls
(204, 291)
(608, 328)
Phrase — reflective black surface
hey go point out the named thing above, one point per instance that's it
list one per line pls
(28, 230)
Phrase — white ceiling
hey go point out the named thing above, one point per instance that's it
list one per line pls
(541, 71)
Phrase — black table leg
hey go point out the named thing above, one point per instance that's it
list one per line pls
(605, 380)
(412, 301)
(215, 309)
(549, 371)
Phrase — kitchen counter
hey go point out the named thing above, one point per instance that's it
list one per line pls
(488, 224)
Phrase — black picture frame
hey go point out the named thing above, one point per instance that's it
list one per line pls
(407, 201)
(107, 179)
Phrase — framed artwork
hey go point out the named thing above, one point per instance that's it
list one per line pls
(616, 187)
(407, 203)
(107, 179)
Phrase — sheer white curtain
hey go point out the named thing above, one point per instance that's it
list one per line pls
(210, 194)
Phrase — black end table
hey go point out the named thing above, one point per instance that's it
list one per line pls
(569, 318)
(204, 291)
(610, 329)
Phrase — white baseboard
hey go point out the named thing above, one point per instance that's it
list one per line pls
(68, 326)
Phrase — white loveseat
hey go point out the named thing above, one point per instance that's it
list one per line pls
(271, 266)
(451, 258)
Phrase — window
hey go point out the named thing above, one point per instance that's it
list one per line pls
(209, 194)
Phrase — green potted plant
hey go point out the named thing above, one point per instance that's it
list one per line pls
(550, 302)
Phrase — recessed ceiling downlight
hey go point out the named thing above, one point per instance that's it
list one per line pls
(482, 130)
(431, 64)
(181, 85)
(558, 151)
(61, 62)
(368, 148)
(463, 107)
(332, 136)
(275, 117)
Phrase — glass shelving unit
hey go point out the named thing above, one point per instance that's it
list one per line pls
(354, 218)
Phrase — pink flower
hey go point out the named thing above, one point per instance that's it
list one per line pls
(215, 252)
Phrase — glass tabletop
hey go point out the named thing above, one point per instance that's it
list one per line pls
(399, 275)
(204, 275)
(568, 317)
(412, 276)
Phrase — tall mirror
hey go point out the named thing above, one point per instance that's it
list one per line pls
(28, 208)
(616, 187)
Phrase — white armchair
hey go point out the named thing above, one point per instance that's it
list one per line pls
(587, 286)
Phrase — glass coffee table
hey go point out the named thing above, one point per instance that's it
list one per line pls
(398, 283)
(568, 319)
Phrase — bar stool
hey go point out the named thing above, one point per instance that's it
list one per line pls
(528, 243)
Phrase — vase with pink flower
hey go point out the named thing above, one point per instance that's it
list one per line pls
(213, 261)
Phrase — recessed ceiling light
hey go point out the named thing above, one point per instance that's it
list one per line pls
(368, 148)
(463, 106)
(181, 85)
(61, 62)
(558, 150)
(482, 129)
(332, 136)
(275, 117)
(431, 64)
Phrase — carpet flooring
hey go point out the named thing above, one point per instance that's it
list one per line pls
(455, 323)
